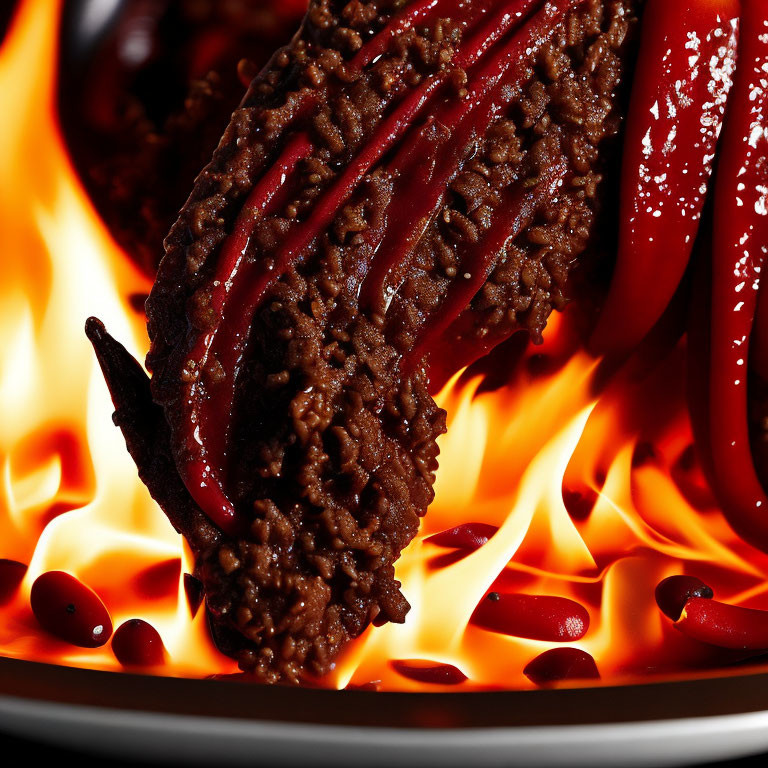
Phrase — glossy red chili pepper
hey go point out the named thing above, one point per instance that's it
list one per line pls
(674, 592)
(740, 244)
(758, 347)
(138, 644)
(11, 576)
(537, 617)
(426, 672)
(561, 664)
(723, 625)
(65, 607)
(469, 536)
(679, 94)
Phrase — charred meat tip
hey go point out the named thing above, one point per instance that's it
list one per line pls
(146, 436)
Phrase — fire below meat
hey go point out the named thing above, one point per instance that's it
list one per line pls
(584, 527)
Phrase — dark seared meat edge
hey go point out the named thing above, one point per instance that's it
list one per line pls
(331, 453)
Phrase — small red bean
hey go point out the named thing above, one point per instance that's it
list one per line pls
(138, 644)
(674, 592)
(11, 575)
(723, 625)
(373, 685)
(537, 617)
(425, 672)
(469, 536)
(561, 664)
(65, 607)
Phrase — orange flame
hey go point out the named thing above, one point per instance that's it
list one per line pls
(70, 498)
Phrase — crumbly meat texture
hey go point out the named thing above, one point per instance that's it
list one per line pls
(331, 453)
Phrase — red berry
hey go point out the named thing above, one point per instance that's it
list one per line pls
(65, 607)
(138, 644)
(11, 575)
(674, 592)
(561, 664)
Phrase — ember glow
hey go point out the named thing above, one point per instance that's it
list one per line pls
(620, 452)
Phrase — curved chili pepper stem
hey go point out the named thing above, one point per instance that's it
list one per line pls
(683, 77)
(740, 244)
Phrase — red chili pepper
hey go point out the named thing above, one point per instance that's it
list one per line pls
(758, 347)
(674, 592)
(429, 672)
(469, 536)
(561, 664)
(723, 625)
(740, 244)
(679, 95)
(537, 617)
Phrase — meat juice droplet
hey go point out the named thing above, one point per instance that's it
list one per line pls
(138, 644)
(11, 576)
(70, 610)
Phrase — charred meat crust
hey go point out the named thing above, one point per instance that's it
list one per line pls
(147, 437)
(330, 442)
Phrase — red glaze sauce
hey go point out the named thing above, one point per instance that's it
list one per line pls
(243, 282)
